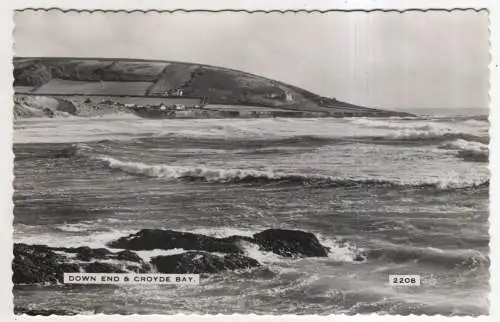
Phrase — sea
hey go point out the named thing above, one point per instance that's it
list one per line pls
(409, 193)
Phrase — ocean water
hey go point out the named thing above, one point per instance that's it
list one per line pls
(411, 194)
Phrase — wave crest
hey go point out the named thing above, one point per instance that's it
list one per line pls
(390, 125)
(434, 135)
(236, 176)
(468, 150)
(419, 131)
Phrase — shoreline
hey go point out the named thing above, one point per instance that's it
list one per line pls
(55, 106)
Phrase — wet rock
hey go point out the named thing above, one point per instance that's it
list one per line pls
(359, 257)
(35, 264)
(201, 262)
(42, 264)
(290, 243)
(237, 239)
(144, 268)
(43, 312)
(87, 253)
(148, 239)
(126, 255)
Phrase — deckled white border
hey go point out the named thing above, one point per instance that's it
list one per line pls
(6, 162)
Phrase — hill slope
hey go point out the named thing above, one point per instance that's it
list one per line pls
(77, 76)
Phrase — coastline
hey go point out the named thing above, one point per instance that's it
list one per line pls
(53, 106)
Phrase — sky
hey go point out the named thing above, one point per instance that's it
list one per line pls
(387, 60)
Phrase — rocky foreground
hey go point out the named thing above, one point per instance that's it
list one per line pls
(35, 264)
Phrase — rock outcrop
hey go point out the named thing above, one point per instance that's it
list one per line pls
(203, 254)
(42, 312)
(289, 243)
(148, 239)
(26, 106)
(195, 262)
(43, 264)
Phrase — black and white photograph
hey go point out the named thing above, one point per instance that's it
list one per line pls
(296, 162)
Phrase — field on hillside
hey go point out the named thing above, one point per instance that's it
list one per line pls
(103, 76)
(218, 85)
(61, 86)
(134, 100)
(143, 71)
(174, 76)
(40, 71)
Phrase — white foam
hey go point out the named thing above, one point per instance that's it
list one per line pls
(467, 145)
(175, 172)
(146, 255)
(392, 124)
(412, 133)
(69, 238)
(86, 225)
(221, 232)
(477, 122)
(252, 250)
(451, 181)
(343, 253)
(339, 251)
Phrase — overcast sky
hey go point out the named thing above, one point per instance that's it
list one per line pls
(387, 60)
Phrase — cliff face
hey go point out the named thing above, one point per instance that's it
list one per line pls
(67, 76)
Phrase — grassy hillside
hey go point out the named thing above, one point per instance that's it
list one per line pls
(68, 76)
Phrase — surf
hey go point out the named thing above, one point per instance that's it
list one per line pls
(468, 150)
(251, 176)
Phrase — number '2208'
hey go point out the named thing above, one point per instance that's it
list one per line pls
(406, 280)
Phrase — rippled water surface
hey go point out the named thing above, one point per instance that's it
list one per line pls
(411, 194)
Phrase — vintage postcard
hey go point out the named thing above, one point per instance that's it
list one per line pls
(201, 162)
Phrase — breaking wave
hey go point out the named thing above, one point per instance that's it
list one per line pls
(435, 135)
(468, 150)
(422, 132)
(383, 124)
(250, 176)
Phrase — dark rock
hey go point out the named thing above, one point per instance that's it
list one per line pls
(290, 243)
(35, 264)
(237, 239)
(41, 264)
(126, 255)
(148, 239)
(87, 253)
(144, 268)
(201, 262)
(359, 258)
(236, 261)
(43, 312)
